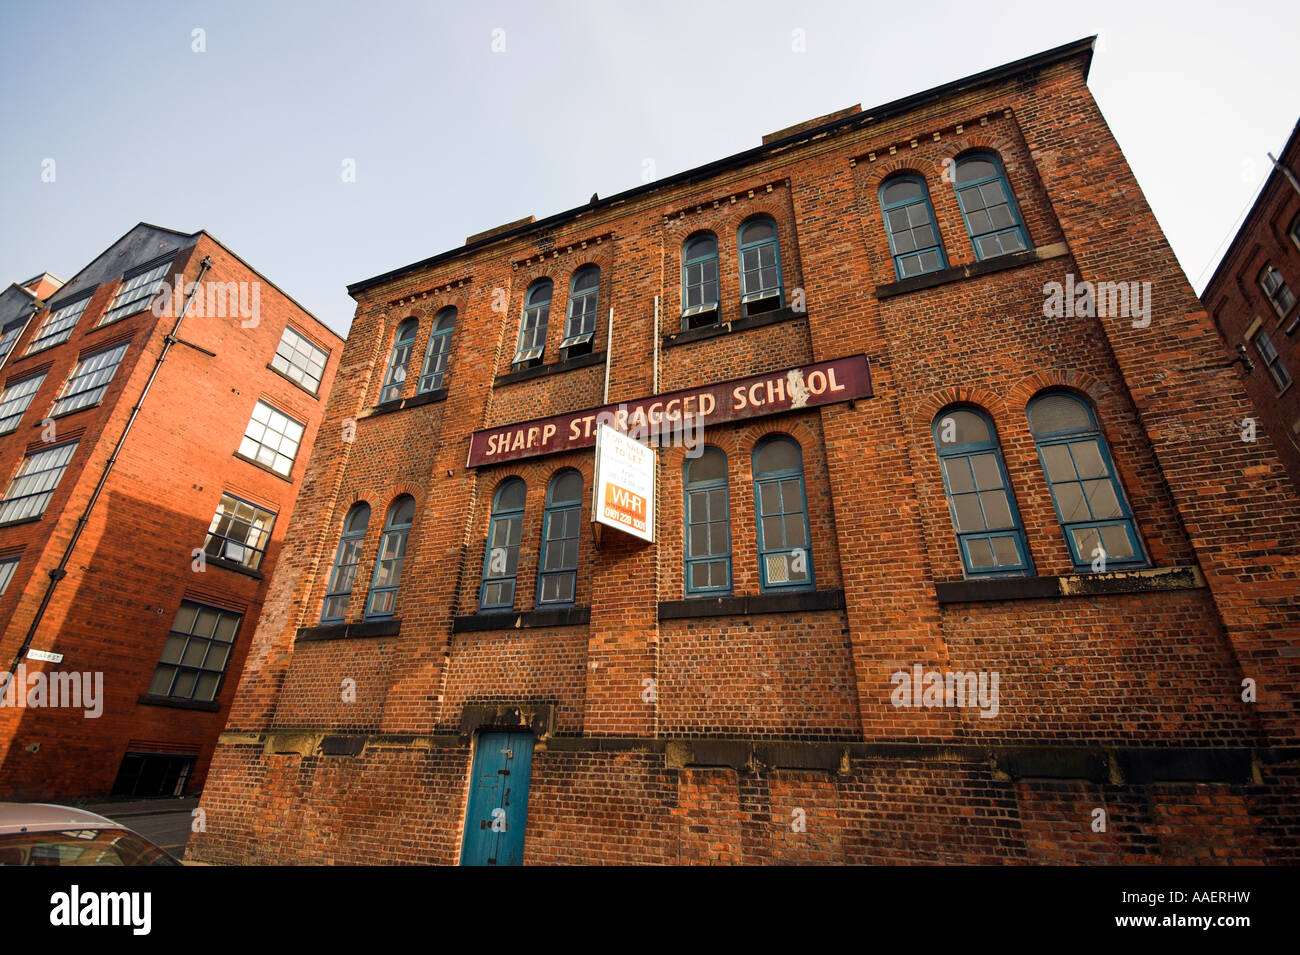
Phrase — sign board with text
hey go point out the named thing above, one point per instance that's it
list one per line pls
(624, 484)
(660, 416)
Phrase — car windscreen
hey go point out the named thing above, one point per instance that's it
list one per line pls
(81, 847)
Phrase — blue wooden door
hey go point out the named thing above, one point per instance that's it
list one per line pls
(498, 800)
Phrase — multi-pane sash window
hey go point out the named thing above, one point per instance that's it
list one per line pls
(15, 400)
(909, 222)
(34, 484)
(298, 359)
(239, 532)
(580, 330)
(532, 328)
(9, 338)
(436, 356)
(1272, 360)
(272, 439)
(196, 653)
(988, 207)
(990, 537)
(58, 325)
(700, 280)
(1090, 503)
(89, 380)
(557, 576)
(403, 343)
(1275, 288)
(135, 293)
(708, 524)
(501, 557)
(784, 546)
(760, 266)
(344, 575)
(7, 568)
(392, 554)
(1294, 231)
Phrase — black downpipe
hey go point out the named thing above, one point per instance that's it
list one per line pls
(59, 572)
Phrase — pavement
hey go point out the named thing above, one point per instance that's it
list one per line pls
(164, 822)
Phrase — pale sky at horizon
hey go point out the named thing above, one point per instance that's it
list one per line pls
(247, 139)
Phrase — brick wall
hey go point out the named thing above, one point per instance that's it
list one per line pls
(696, 738)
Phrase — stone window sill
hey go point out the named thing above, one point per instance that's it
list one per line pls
(970, 270)
(736, 325)
(1146, 580)
(555, 368)
(525, 620)
(148, 699)
(744, 606)
(401, 404)
(349, 631)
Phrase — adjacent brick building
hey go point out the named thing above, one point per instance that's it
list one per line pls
(149, 470)
(923, 456)
(1252, 299)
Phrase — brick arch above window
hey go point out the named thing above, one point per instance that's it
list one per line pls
(1094, 389)
(930, 405)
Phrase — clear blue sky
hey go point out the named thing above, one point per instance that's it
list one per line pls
(449, 138)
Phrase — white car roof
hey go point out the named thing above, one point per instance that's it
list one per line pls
(46, 817)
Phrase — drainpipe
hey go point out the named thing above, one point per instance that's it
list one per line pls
(609, 352)
(59, 572)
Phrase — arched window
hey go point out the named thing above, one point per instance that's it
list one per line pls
(781, 506)
(438, 353)
(1279, 294)
(700, 281)
(580, 329)
(346, 559)
(1090, 503)
(403, 342)
(532, 328)
(990, 536)
(988, 207)
(392, 554)
(760, 266)
(501, 557)
(909, 221)
(557, 575)
(707, 508)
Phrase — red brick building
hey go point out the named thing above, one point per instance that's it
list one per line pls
(148, 469)
(971, 566)
(1252, 299)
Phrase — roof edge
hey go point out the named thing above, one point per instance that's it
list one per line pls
(1255, 208)
(1082, 47)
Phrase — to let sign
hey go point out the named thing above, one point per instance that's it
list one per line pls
(625, 484)
(790, 389)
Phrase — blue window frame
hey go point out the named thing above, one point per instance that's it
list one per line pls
(909, 222)
(700, 281)
(557, 574)
(988, 207)
(584, 300)
(392, 554)
(438, 354)
(781, 506)
(398, 361)
(1090, 504)
(760, 266)
(532, 327)
(707, 508)
(501, 555)
(338, 593)
(990, 535)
